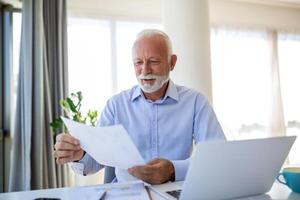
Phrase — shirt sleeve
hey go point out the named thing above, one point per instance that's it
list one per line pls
(107, 117)
(181, 167)
(87, 164)
(206, 124)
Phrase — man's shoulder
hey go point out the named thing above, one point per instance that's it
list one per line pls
(186, 92)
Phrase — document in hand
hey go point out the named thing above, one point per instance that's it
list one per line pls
(109, 145)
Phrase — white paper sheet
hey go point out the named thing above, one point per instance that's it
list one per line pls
(118, 191)
(110, 145)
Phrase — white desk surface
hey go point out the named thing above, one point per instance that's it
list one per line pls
(277, 192)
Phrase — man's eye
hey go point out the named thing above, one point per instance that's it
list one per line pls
(154, 61)
(138, 63)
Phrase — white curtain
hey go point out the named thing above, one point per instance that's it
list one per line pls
(276, 114)
(289, 65)
(255, 82)
(241, 81)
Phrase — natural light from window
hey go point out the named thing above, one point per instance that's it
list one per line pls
(242, 85)
(289, 62)
(17, 22)
(241, 82)
(89, 60)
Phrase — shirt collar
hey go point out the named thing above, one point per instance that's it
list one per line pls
(137, 92)
(171, 92)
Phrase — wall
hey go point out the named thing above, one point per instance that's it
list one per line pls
(222, 12)
(254, 15)
(147, 10)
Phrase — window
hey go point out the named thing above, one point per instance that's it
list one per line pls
(17, 22)
(241, 85)
(289, 62)
(241, 72)
(89, 61)
(100, 65)
(10, 28)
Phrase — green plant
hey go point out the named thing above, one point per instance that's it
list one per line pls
(72, 105)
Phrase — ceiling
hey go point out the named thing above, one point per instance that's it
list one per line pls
(285, 3)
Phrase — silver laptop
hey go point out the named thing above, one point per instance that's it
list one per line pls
(233, 169)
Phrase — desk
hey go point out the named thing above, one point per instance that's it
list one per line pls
(278, 191)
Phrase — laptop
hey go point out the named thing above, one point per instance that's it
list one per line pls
(233, 169)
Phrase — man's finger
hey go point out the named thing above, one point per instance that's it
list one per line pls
(136, 173)
(67, 138)
(66, 146)
(144, 170)
(154, 161)
(63, 160)
(63, 154)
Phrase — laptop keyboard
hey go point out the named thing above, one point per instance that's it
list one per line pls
(174, 193)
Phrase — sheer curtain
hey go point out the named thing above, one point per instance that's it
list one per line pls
(241, 83)
(255, 83)
(289, 65)
(276, 115)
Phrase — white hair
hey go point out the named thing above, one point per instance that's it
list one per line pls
(154, 32)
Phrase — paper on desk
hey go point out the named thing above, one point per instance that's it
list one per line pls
(83, 193)
(127, 191)
(110, 145)
(121, 191)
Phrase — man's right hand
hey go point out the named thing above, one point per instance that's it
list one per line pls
(67, 149)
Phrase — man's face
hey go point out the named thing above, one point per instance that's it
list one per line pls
(150, 58)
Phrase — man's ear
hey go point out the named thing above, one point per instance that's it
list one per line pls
(173, 62)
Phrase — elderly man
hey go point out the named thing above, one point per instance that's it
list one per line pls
(162, 119)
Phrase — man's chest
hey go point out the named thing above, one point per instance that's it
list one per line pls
(158, 129)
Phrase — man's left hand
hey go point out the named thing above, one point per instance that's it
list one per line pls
(156, 171)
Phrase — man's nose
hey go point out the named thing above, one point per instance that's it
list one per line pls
(146, 69)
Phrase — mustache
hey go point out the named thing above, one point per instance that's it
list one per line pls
(148, 76)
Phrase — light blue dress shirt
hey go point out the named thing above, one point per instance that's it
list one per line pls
(165, 128)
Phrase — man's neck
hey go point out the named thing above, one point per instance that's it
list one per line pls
(158, 94)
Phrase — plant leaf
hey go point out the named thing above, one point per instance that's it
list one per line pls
(56, 124)
(79, 95)
(71, 105)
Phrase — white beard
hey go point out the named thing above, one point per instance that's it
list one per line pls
(158, 83)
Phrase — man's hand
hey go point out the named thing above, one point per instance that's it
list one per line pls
(156, 171)
(67, 149)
